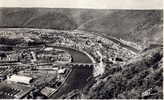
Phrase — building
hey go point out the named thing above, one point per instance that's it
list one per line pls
(20, 79)
(47, 91)
(61, 71)
(11, 90)
(4, 57)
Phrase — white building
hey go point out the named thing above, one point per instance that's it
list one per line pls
(48, 49)
(61, 71)
(20, 79)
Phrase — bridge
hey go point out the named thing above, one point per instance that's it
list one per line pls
(81, 65)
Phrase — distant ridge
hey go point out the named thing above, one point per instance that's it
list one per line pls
(143, 27)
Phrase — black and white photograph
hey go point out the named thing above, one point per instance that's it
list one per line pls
(81, 53)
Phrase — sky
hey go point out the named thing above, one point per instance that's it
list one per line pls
(93, 4)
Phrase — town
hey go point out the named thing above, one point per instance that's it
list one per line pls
(35, 63)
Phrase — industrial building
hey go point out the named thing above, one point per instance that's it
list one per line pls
(11, 90)
(20, 79)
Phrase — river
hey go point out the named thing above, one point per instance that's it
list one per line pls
(78, 77)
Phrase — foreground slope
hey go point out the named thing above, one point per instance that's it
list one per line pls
(141, 77)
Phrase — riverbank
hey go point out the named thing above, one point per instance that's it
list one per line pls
(77, 78)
